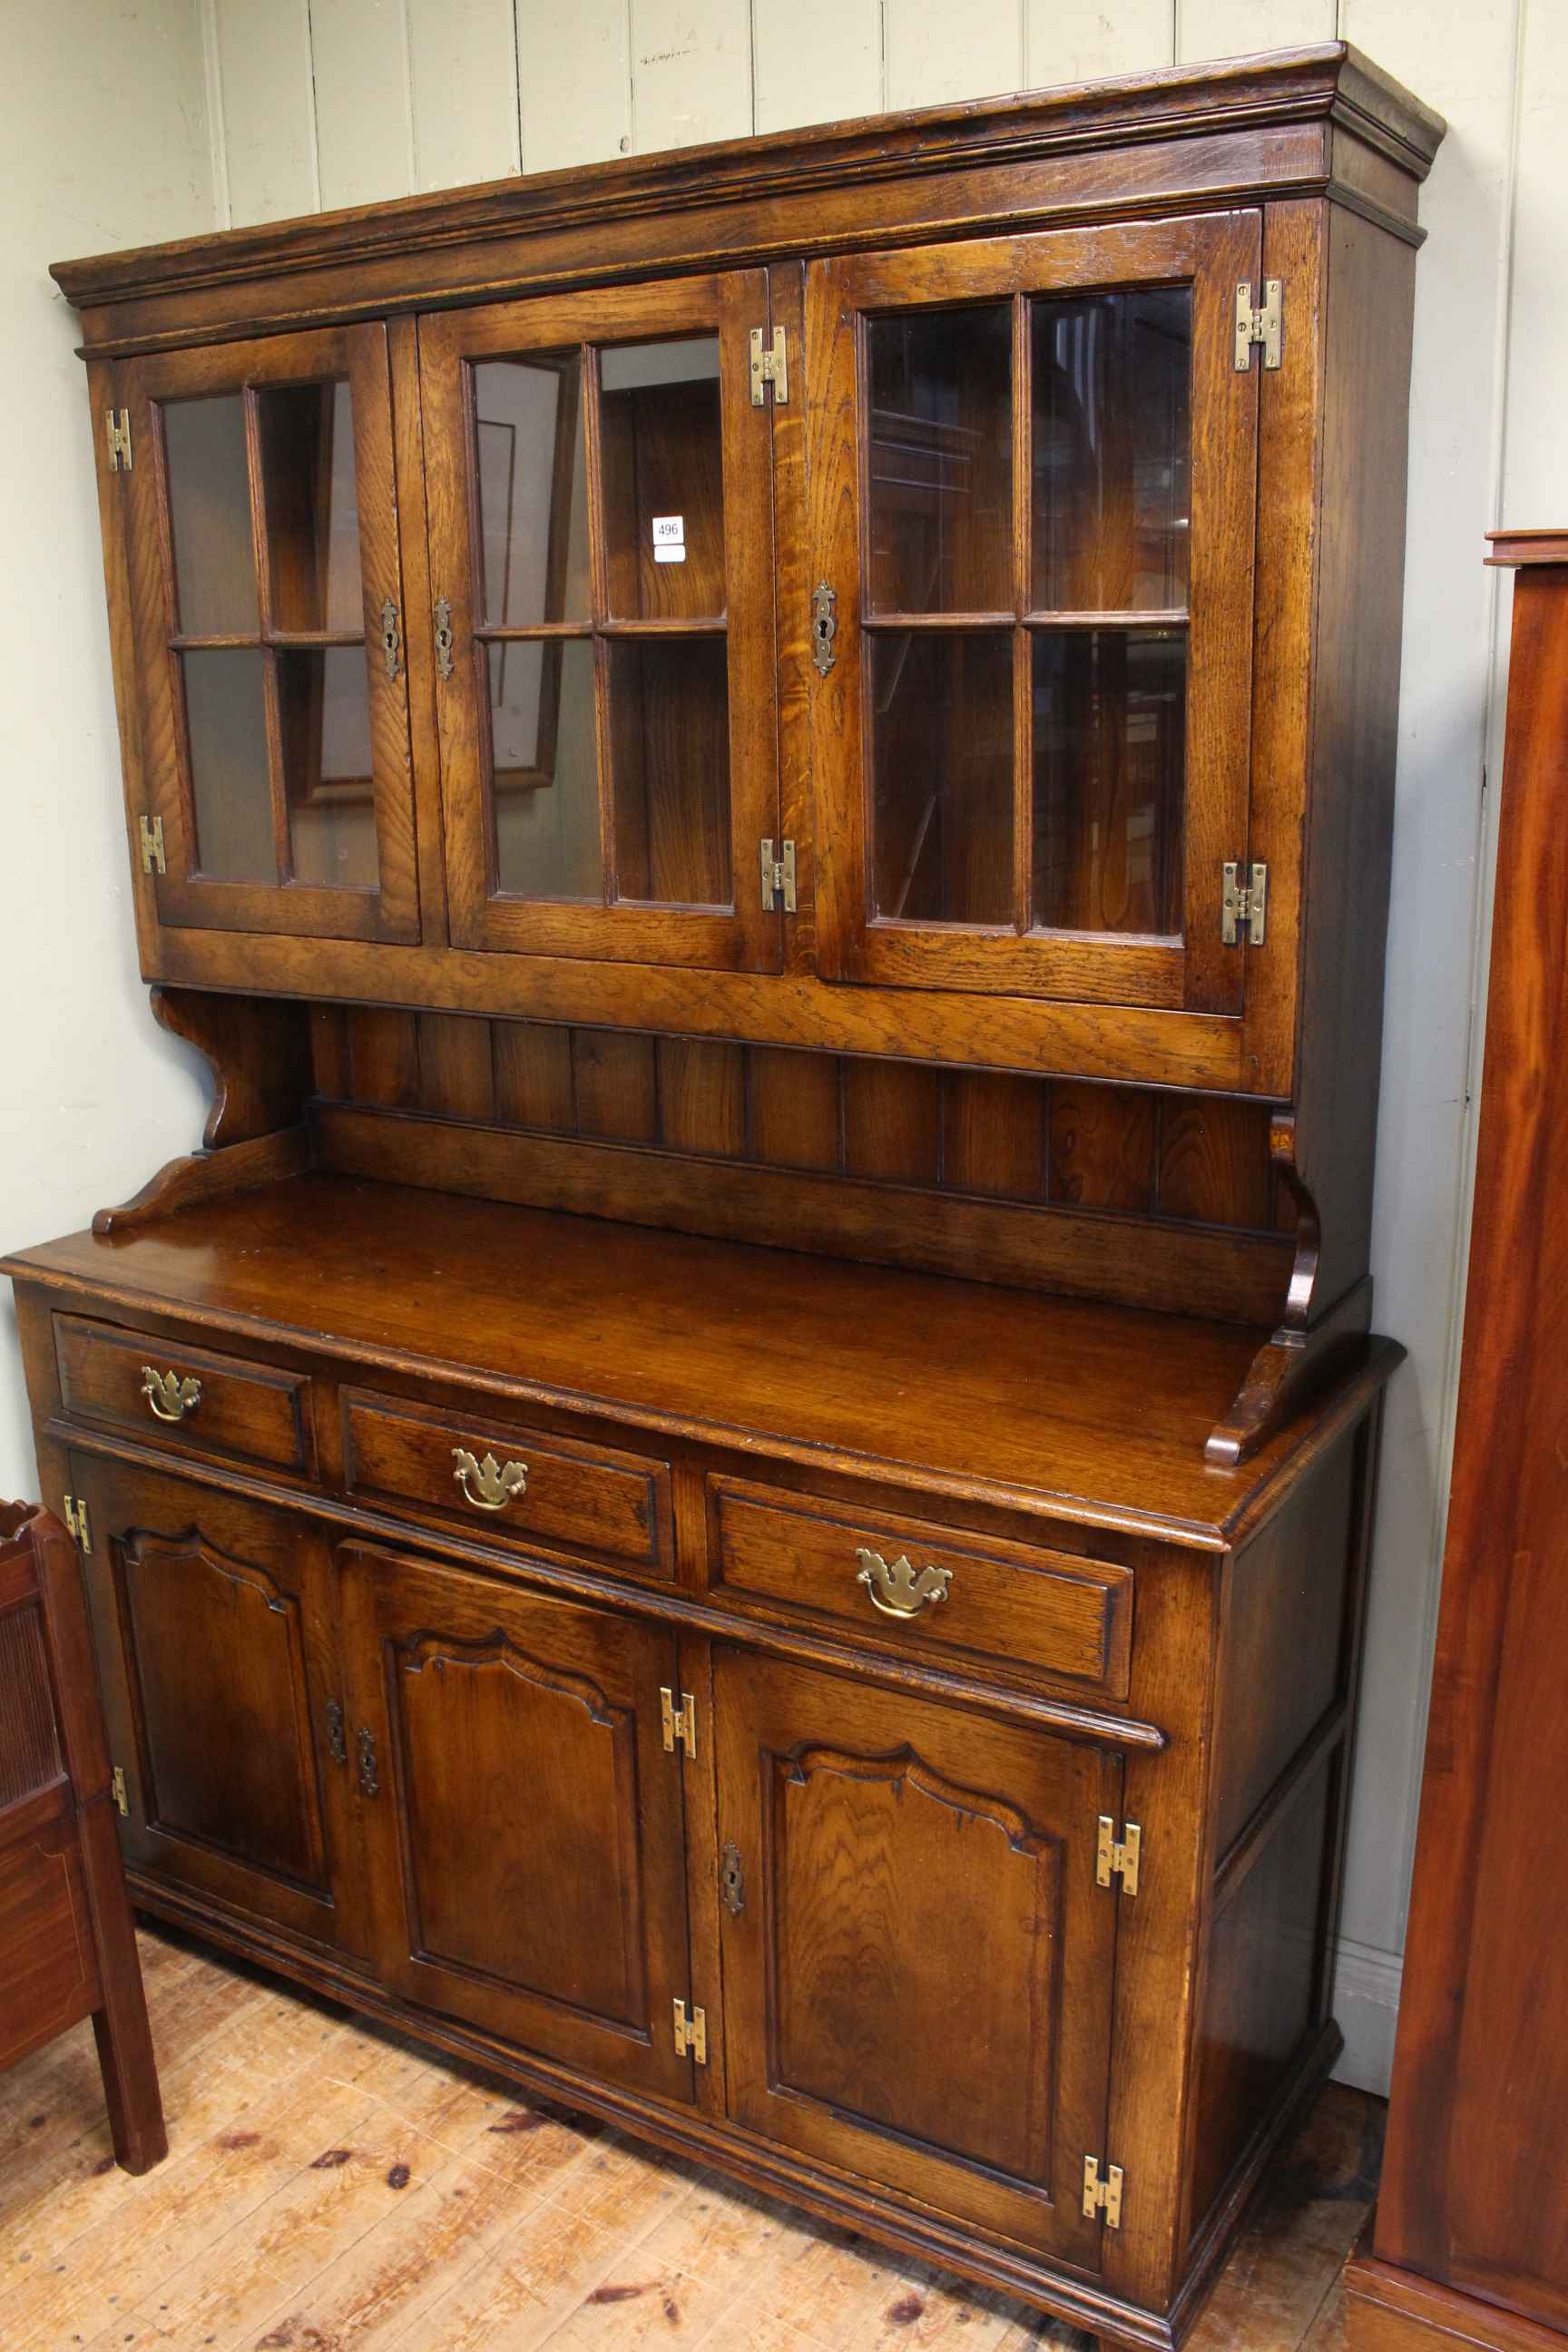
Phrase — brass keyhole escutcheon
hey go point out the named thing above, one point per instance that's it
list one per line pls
(443, 636)
(824, 626)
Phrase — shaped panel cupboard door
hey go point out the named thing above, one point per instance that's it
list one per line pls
(918, 1980)
(601, 547)
(266, 601)
(214, 1628)
(527, 1823)
(1032, 491)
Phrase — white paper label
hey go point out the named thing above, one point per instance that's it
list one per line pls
(670, 539)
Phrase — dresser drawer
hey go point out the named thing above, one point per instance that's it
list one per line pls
(932, 1588)
(189, 1399)
(504, 1481)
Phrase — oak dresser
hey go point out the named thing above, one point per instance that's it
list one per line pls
(738, 1481)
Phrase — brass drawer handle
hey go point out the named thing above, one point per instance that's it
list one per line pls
(899, 1591)
(494, 1484)
(170, 1397)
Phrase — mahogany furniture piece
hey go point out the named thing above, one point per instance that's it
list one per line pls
(1467, 2237)
(67, 1947)
(739, 1478)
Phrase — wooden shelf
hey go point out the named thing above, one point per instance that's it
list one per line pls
(1099, 1411)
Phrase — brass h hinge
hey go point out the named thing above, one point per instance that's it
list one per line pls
(1102, 2196)
(692, 2037)
(679, 1722)
(769, 366)
(1258, 325)
(76, 1521)
(1242, 904)
(119, 430)
(778, 875)
(152, 858)
(117, 1787)
(1117, 1856)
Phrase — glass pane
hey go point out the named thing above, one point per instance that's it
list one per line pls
(669, 730)
(664, 479)
(942, 461)
(312, 505)
(546, 770)
(1109, 735)
(209, 516)
(1112, 437)
(533, 507)
(226, 719)
(323, 709)
(943, 776)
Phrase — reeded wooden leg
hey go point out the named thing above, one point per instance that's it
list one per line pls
(123, 2034)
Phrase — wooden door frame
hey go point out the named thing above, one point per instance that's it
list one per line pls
(1212, 252)
(363, 1565)
(184, 897)
(1008, 2209)
(744, 937)
(339, 1916)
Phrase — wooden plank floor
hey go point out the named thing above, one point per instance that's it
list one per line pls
(330, 2186)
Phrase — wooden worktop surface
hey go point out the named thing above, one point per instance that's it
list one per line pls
(1011, 1395)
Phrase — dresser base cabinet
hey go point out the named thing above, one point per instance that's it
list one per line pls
(1016, 1957)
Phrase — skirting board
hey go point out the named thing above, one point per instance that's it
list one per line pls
(1366, 2004)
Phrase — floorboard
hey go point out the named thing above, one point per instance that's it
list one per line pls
(331, 2187)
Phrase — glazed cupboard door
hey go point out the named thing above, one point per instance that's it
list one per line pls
(265, 594)
(918, 1961)
(216, 1648)
(1032, 490)
(601, 549)
(527, 1830)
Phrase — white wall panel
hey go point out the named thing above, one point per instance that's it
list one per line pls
(365, 116)
(1233, 28)
(1535, 455)
(463, 91)
(262, 60)
(1457, 405)
(800, 80)
(103, 142)
(691, 71)
(574, 78)
(936, 50)
(1077, 40)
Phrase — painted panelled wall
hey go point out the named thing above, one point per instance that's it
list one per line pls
(121, 122)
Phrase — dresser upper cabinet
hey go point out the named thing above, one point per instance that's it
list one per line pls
(599, 484)
(1033, 478)
(265, 599)
(929, 585)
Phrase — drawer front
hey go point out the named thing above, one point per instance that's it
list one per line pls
(927, 1588)
(186, 1398)
(510, 1482)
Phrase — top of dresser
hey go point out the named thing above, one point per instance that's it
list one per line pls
(1097, 1413)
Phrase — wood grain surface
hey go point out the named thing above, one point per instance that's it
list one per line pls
(325, 2176)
